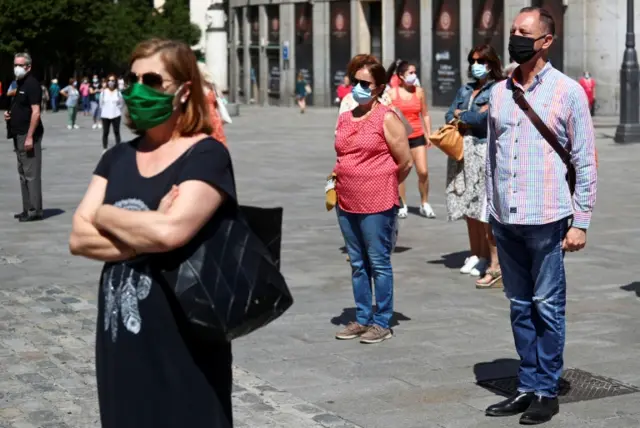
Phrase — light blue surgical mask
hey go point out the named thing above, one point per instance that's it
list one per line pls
(361, 95)
(479, 71)
(411, 79)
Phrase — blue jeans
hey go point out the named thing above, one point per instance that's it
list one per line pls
(54, 103)
(532, 264)
(85, 104)
(370, 239)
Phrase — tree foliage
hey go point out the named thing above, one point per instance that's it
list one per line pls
(80, 36)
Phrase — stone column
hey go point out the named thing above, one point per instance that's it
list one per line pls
(360, 34)
(575, 38)
(466, 37)
(246, 56)
(388, 32)
(263, 78)
(287, 70)
(426, 46)
(216, 46)
(234, 63)
(321, 80)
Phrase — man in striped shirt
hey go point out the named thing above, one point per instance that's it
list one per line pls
(534, 216)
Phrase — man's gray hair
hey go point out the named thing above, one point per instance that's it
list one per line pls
(26, 56)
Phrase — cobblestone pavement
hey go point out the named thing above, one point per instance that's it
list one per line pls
(294, 373)
(47, 376)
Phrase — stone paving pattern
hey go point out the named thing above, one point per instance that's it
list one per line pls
(294, 373)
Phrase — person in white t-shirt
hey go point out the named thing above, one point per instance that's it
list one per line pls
(111, 104)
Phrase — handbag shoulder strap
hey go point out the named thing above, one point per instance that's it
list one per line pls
(543, 129)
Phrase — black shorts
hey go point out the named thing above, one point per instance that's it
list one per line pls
(417, 142)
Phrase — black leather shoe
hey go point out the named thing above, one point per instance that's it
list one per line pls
(513, 405)
(29, 218)
(542, 409)
(19, 215)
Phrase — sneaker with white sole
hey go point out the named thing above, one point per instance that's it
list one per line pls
(94, 126)
(76, 127)
(427, 211)
(403, 212)
(352, 331)
(480, 268)
(469, 264)
(69, 127)
(376, 334)
(99, 126)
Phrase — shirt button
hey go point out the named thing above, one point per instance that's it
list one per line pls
(514, 174)
(515, 156)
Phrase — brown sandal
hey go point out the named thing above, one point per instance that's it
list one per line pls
(495, 282)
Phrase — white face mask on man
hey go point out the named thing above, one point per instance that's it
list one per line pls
(19, 71)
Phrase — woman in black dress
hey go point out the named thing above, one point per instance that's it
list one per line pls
(148, 199)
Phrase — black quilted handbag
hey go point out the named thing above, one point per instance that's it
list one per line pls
(229, 283)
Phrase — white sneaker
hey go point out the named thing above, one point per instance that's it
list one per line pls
(469, 264)
(427, 211)
(76, 127)
(94, 126)
(403, 212)
(99, 126)
(69, 127)
(480, 268)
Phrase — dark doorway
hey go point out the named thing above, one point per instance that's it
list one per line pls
(373, 12)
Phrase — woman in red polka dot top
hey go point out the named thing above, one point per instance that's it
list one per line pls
(373, 157)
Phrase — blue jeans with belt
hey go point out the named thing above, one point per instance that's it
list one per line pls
(532, 264)
(370, 239)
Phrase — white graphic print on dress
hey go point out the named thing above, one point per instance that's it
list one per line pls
(124, 286)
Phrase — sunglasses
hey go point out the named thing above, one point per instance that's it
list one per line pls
(363, 83)
(151, 79)
(480, 61)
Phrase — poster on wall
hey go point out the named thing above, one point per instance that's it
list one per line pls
(339, 42)
(304, 44)
(488, 25)
(556, 9)
(408, 32)
(273, 53)
(445, 80)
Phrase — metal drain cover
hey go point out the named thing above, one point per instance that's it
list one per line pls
(575, 385)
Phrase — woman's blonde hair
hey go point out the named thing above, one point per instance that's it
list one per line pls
(181, 64)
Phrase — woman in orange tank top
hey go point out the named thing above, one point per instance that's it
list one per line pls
(411, 101)
(212, 105)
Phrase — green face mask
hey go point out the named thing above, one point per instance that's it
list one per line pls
(148, 107)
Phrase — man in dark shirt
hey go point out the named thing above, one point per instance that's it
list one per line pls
(25, 127)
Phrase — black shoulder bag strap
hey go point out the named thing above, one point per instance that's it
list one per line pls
(547, 134)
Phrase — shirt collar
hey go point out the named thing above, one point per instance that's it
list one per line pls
(538, 79)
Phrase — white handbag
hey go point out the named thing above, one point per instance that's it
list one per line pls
(222, 109)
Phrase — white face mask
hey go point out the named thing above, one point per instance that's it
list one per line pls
(20, 72)
(411, 78)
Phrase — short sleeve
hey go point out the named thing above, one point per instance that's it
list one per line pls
(104, 165)
(209, 162)
(111, 156)
(34, 93)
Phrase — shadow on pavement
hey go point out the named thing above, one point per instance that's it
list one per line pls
(497, 369)
(397, 250)
(633, 287)
(52, 212)
(349, 314)
(452, 260)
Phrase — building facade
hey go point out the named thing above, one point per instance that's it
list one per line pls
(271, 41)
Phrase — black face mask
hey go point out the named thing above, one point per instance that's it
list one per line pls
(521, 48)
